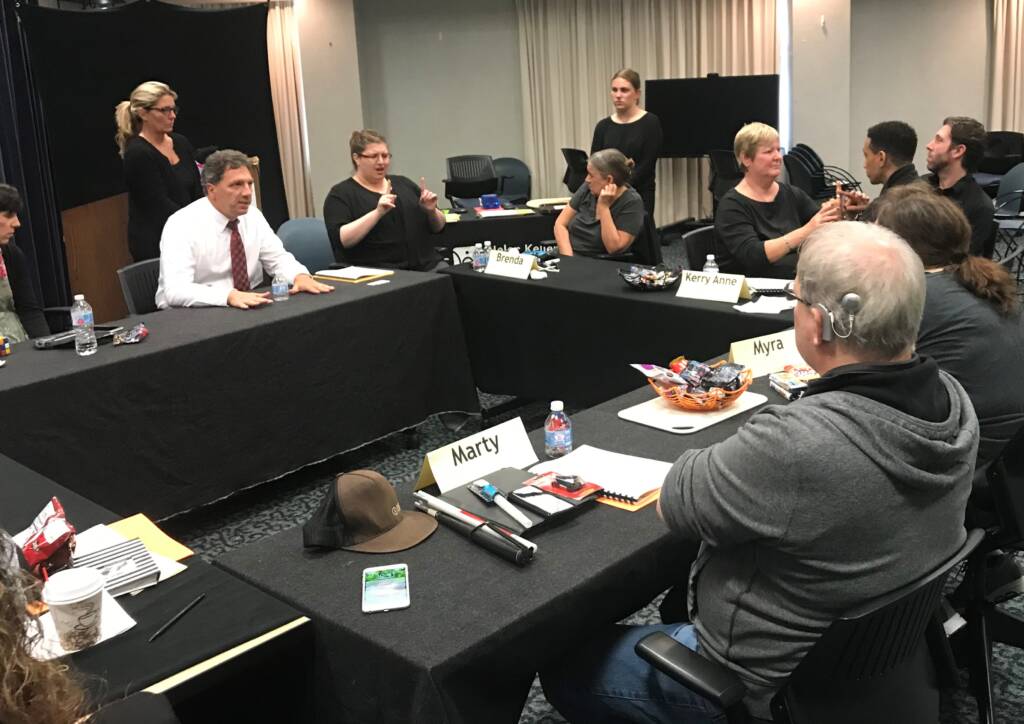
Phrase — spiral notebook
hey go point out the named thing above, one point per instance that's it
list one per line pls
(631, 481)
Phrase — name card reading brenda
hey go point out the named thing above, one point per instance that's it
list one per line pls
(502, 446)
(767, 354)
(713, 287)
(507, 264)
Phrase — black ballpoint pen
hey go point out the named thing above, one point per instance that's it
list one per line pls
(177, 616)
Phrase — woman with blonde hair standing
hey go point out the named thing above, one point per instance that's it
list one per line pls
(159, 165)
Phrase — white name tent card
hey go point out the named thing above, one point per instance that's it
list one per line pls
(767, 354)
(502, 446)
(507, 264)
(714, 287)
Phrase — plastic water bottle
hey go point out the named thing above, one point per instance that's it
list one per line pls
(478, 257)
(710, 265)
(279, 288)
(487, 252)
(557, 432)
(82, 323)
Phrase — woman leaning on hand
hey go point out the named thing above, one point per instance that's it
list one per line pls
(605, 214)
(761, 223)
(159, 165)
(378, 220)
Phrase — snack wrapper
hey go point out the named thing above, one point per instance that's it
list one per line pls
(49, 541)
(132, 336)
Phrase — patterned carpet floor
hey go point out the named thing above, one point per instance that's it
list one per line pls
(289, 501)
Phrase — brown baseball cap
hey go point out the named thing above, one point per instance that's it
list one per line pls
(361, 513)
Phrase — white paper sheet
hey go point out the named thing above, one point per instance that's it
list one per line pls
(625, 475)
(100, 536)
(766, 305)
(352, 272)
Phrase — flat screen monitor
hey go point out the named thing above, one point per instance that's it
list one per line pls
(702, 114)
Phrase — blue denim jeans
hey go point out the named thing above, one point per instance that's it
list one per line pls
(607, 682)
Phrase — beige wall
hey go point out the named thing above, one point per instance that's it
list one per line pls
(441, 79)
(330, 78)
(821, 77)
(916, 61)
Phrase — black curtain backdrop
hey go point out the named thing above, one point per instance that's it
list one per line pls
(25, 164)
(85, 62)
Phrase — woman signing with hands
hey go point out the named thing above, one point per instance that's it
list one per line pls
(605, 214)
(378, 220)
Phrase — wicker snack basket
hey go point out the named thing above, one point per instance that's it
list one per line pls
(714, 399)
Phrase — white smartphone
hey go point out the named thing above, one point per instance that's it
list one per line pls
(385, 588)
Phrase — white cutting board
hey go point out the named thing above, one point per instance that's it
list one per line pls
(662, 415)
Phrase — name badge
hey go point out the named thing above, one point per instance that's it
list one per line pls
(502, 446)
(506, 264)
(713, 287)
(767, 354)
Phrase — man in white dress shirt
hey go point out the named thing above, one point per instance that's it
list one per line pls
(213, 251)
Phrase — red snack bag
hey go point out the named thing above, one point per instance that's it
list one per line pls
(49, 542)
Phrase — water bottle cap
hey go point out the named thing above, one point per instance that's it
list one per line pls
(557, 406)
(487, 243)
(79, 297)
(711, 257)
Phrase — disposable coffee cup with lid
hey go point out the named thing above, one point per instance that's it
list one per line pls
(75, 598)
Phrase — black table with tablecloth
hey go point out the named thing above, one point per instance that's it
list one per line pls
(529, 228)
(218, 399)
(231, 614)
(478, 628)
(573, 335)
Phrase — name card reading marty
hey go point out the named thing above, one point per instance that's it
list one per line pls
(713, 287)
(506, 264)
(502, 446)
(767, 354)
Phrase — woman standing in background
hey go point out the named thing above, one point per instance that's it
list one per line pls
(159, 166)
(633, 131)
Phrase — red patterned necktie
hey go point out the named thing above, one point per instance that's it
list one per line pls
(239, 268)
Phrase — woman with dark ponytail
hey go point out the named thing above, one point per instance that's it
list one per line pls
(972, 322)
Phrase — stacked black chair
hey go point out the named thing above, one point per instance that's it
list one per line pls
(514, 180)
(1009, 222)
(874, 664)
(138, 285)
(469, 177)
(808, 172)
(986, 622)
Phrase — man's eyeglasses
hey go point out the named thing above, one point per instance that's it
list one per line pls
(168, 110)
(788, 289)
(376, 156)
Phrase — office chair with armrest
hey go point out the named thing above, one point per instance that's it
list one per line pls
(514, 179)
(575, 168)
(871, 665)
(986, 622)
(469, 177)
(698, 244)
(138, 285)
(306, 240)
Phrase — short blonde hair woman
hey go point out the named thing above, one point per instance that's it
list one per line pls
(761, 223)
(159, 165)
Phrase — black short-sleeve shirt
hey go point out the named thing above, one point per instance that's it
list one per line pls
(585, 229)
(742, 225)
(402, 239)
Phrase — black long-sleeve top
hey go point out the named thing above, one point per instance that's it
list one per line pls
(26, 303)
(742, 225)
(639, 140)
(156, 189)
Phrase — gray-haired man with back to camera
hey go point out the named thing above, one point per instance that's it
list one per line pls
(811, 508)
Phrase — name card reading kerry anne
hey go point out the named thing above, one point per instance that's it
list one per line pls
(713, 287)
(502, 446)
(767, 354)
(506, 264)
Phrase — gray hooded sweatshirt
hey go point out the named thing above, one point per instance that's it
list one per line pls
(809, 510)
